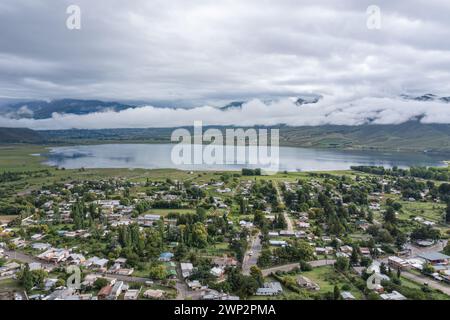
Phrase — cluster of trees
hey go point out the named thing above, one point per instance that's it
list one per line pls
(251, 172)
(192, 231)
(239, 284)
(296, 251)
(425, 233)
(30, 279)
(9, 176)
(441, 174)
(267, 191)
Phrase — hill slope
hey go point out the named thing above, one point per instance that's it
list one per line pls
(409, 136)
(20, 135)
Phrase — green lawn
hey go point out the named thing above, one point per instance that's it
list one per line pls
(327, 277)
(9, 285)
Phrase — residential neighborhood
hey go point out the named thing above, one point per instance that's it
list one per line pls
(229, 236)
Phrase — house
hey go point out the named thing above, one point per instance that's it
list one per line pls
(89, 280)
(186, 269)
(346, 249)
(303, 225)
(171, 269)
(9, 269)
(225, 261)
(104, 292)
(307, 283)
(40, 246)
(54, 255)
(148, 219)
(63, 294)
(365, 251)
(435, 258)
(215, 295)
(217, 272)
(194, 285)
(50, 283)
(278, 243)
(76, 258)
(397, 263)
(116, 290)
(273, 234)
(346, 295)
(96, 263)
(286, 233)
(394, 295)
(153, 294)
(35, 266)
(270, 289)
(37, 237)
(132, 294)
(165, 256)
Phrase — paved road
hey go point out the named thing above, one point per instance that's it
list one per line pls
(248, 260)
(290, 224)
(292, 266)
(431, 283)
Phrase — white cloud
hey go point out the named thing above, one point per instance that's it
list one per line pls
(329, 110)
(217, 50)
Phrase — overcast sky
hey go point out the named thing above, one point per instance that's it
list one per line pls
(206, 51)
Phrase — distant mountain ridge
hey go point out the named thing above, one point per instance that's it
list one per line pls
(44, 109)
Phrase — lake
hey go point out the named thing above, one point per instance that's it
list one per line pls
(158, 156)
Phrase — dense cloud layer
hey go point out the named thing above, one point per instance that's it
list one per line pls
(207, 52)
(326, 111)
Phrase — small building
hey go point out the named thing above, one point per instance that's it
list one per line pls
(278, 243)
(346, 295)
(225, 261)
(397, 263)
(270, 289)
(394, 295)
(116, 290)
(217, 272)
(307, 283)
(435, 258)
(154, 294)
(166, 256)
(132, 294)
(186, 269)
(104, 292)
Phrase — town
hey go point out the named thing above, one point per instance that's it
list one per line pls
(226, 235)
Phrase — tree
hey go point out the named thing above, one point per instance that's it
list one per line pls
(354, 258)
(336, 293)
(447, 213)
(342, 264)
(256, 273)
(26, 278)
(199, 235)
(447, 249)
(389, 216)
(100, 283)
(158, 272)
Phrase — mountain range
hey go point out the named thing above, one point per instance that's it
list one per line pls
(40, 109)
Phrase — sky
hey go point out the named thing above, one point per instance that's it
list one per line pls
(202, 53)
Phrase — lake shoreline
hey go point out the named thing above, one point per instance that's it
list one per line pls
(157, 156)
